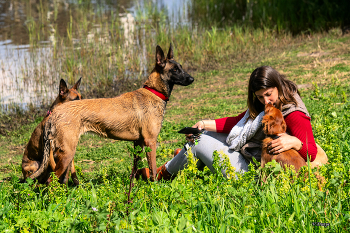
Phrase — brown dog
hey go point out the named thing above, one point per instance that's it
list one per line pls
(274, 124)
(33, 154)
(134, 116)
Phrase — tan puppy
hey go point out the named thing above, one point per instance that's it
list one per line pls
(33, 154)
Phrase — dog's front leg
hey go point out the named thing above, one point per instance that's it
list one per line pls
(151, 157)
(137, 158)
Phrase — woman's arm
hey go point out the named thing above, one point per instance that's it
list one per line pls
(208, 125)
(221, 125)
(224, 125)
(301, 137)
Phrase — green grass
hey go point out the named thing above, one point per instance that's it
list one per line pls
(197, 201)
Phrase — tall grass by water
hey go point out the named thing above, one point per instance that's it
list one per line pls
(114, 51)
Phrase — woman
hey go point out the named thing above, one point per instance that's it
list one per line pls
(265, 85)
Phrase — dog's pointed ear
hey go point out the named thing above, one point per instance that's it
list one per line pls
(160, 59)
(63, 88)
(170, 55)
(77, 84)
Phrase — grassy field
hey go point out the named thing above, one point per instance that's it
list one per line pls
(195, 201)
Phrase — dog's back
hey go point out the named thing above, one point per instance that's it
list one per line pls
(109, 117)
(126, 117)
(290, 157)
(286, 158)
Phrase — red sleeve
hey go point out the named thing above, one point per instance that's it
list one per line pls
(224, 125)
(299, 125)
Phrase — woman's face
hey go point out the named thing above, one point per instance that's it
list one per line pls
(268, 95)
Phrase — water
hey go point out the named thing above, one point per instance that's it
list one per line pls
(15, 88)
(25, 49)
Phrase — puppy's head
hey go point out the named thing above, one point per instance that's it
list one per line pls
(273, 121)
(66, 95)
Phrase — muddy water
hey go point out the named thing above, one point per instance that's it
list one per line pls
(21, 62)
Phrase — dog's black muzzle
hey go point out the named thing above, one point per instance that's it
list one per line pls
(189, 80)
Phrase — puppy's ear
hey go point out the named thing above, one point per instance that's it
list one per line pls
(265, 127)
(170, 55)
(63, 90)
(277, 125)
(278, 104)
(160, 58)
(77, 84)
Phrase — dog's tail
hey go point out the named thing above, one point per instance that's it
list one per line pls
(48, 150)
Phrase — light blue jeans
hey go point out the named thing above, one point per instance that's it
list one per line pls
(203, 151)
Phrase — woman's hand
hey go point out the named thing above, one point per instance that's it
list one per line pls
(283, 143)
(200, 125)
(208, 125)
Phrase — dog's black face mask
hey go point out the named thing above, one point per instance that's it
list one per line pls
(178, 75)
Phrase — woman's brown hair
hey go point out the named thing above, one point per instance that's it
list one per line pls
(266, 77)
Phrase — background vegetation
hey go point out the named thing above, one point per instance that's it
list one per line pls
(221, 60)
(283, 15)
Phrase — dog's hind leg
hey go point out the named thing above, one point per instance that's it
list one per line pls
(66, 174)
(72, 169)
(74, 174)
(63, 165)
(52, 161)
